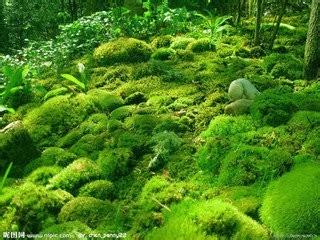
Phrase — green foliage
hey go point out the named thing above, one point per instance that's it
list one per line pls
(208, 220)
(135, 98)
(76, 174)
(16, 90)
(127, 50)
(73, 228)
(163, 54)
(283, 65)
(289, 206)
(5, 176)
(35, 207)
(274, 106)
(181, 42)
(246, 165)
(88, 210)
(100, 189)
(74, 80)
(202, 45)
(115, 163)
(41, 175)
(162, 41)
(16, 146)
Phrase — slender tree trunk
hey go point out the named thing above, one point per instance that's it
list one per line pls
(3, 29)
(312, 50)
(257, 36)
(279, 19)
(239, 12)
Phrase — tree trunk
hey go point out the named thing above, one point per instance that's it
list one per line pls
(3, 29)
(258, 22)
(312, 50)
(239, 12)
(279, 19)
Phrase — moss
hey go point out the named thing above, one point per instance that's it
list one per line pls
(16, 146)
(49, 157)
(89, 146)
(142, 123)
(115, 125)
(34, 207)
(88, 210)
(185, 55)
(75, 175)
(135, 98)
(115, 163)
(246, 165)
(122, 112)
(311, 145)
(136, 142)
(181, 42)
(202, 45)
(100, 189)
(160, 101)
(274, 107)
(289, 207)
(56, 117)
(162, 41)
(105, 101)
(127, 50)
(171, 125)
(285, 65)
(72, 228)
(41, 175)
(208, 220)
(163, 54)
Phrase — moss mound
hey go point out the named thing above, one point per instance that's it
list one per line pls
(100, 189)
(208, 220)
(123, 50)
(291, 204)
(88, 210)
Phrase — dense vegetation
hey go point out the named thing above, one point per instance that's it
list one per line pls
(115, 118)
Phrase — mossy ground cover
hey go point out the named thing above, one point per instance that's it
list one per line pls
(148, 150)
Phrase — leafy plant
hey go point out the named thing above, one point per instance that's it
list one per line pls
(216, 26)
(5, 176)
(16, 87)
(82, 84)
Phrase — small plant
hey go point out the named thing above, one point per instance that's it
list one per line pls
(82, 84)
(5, 177)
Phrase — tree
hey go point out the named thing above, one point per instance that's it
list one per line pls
(3, 30)
(258, 22)
(312, 50)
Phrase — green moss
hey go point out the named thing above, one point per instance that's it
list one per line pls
(56, 117)
(105, 101)
(115, 163)
(16, 146)
(135, 98)
(127, 50)
(291, 204)
(72, 228)
(75, 175)
(100, 189)
(274, 107)
(181, 42)
(88, 210)
(202, 45)
(163, 54)
(208, 220)
(162, 41)
(41, 175)
(171, 124)
(34, 207)
(285, 65)
(142, 123)
(185, 55)
(122, 112)
(311, 145)
(245, 165)
(89, 146)
(49, 157)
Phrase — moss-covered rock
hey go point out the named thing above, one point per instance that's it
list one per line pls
(16, 146)
(35, 207)
(115, 162)
(163, 54)
(76, 174)
(122, 112)
(202, 45)
(88, 210)
(208, 220)
(291, 204)
(181, 42)
(162, 41)
(100, 189)
(105, 101)
(122, 50)
(42, 175)
(135, 98)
